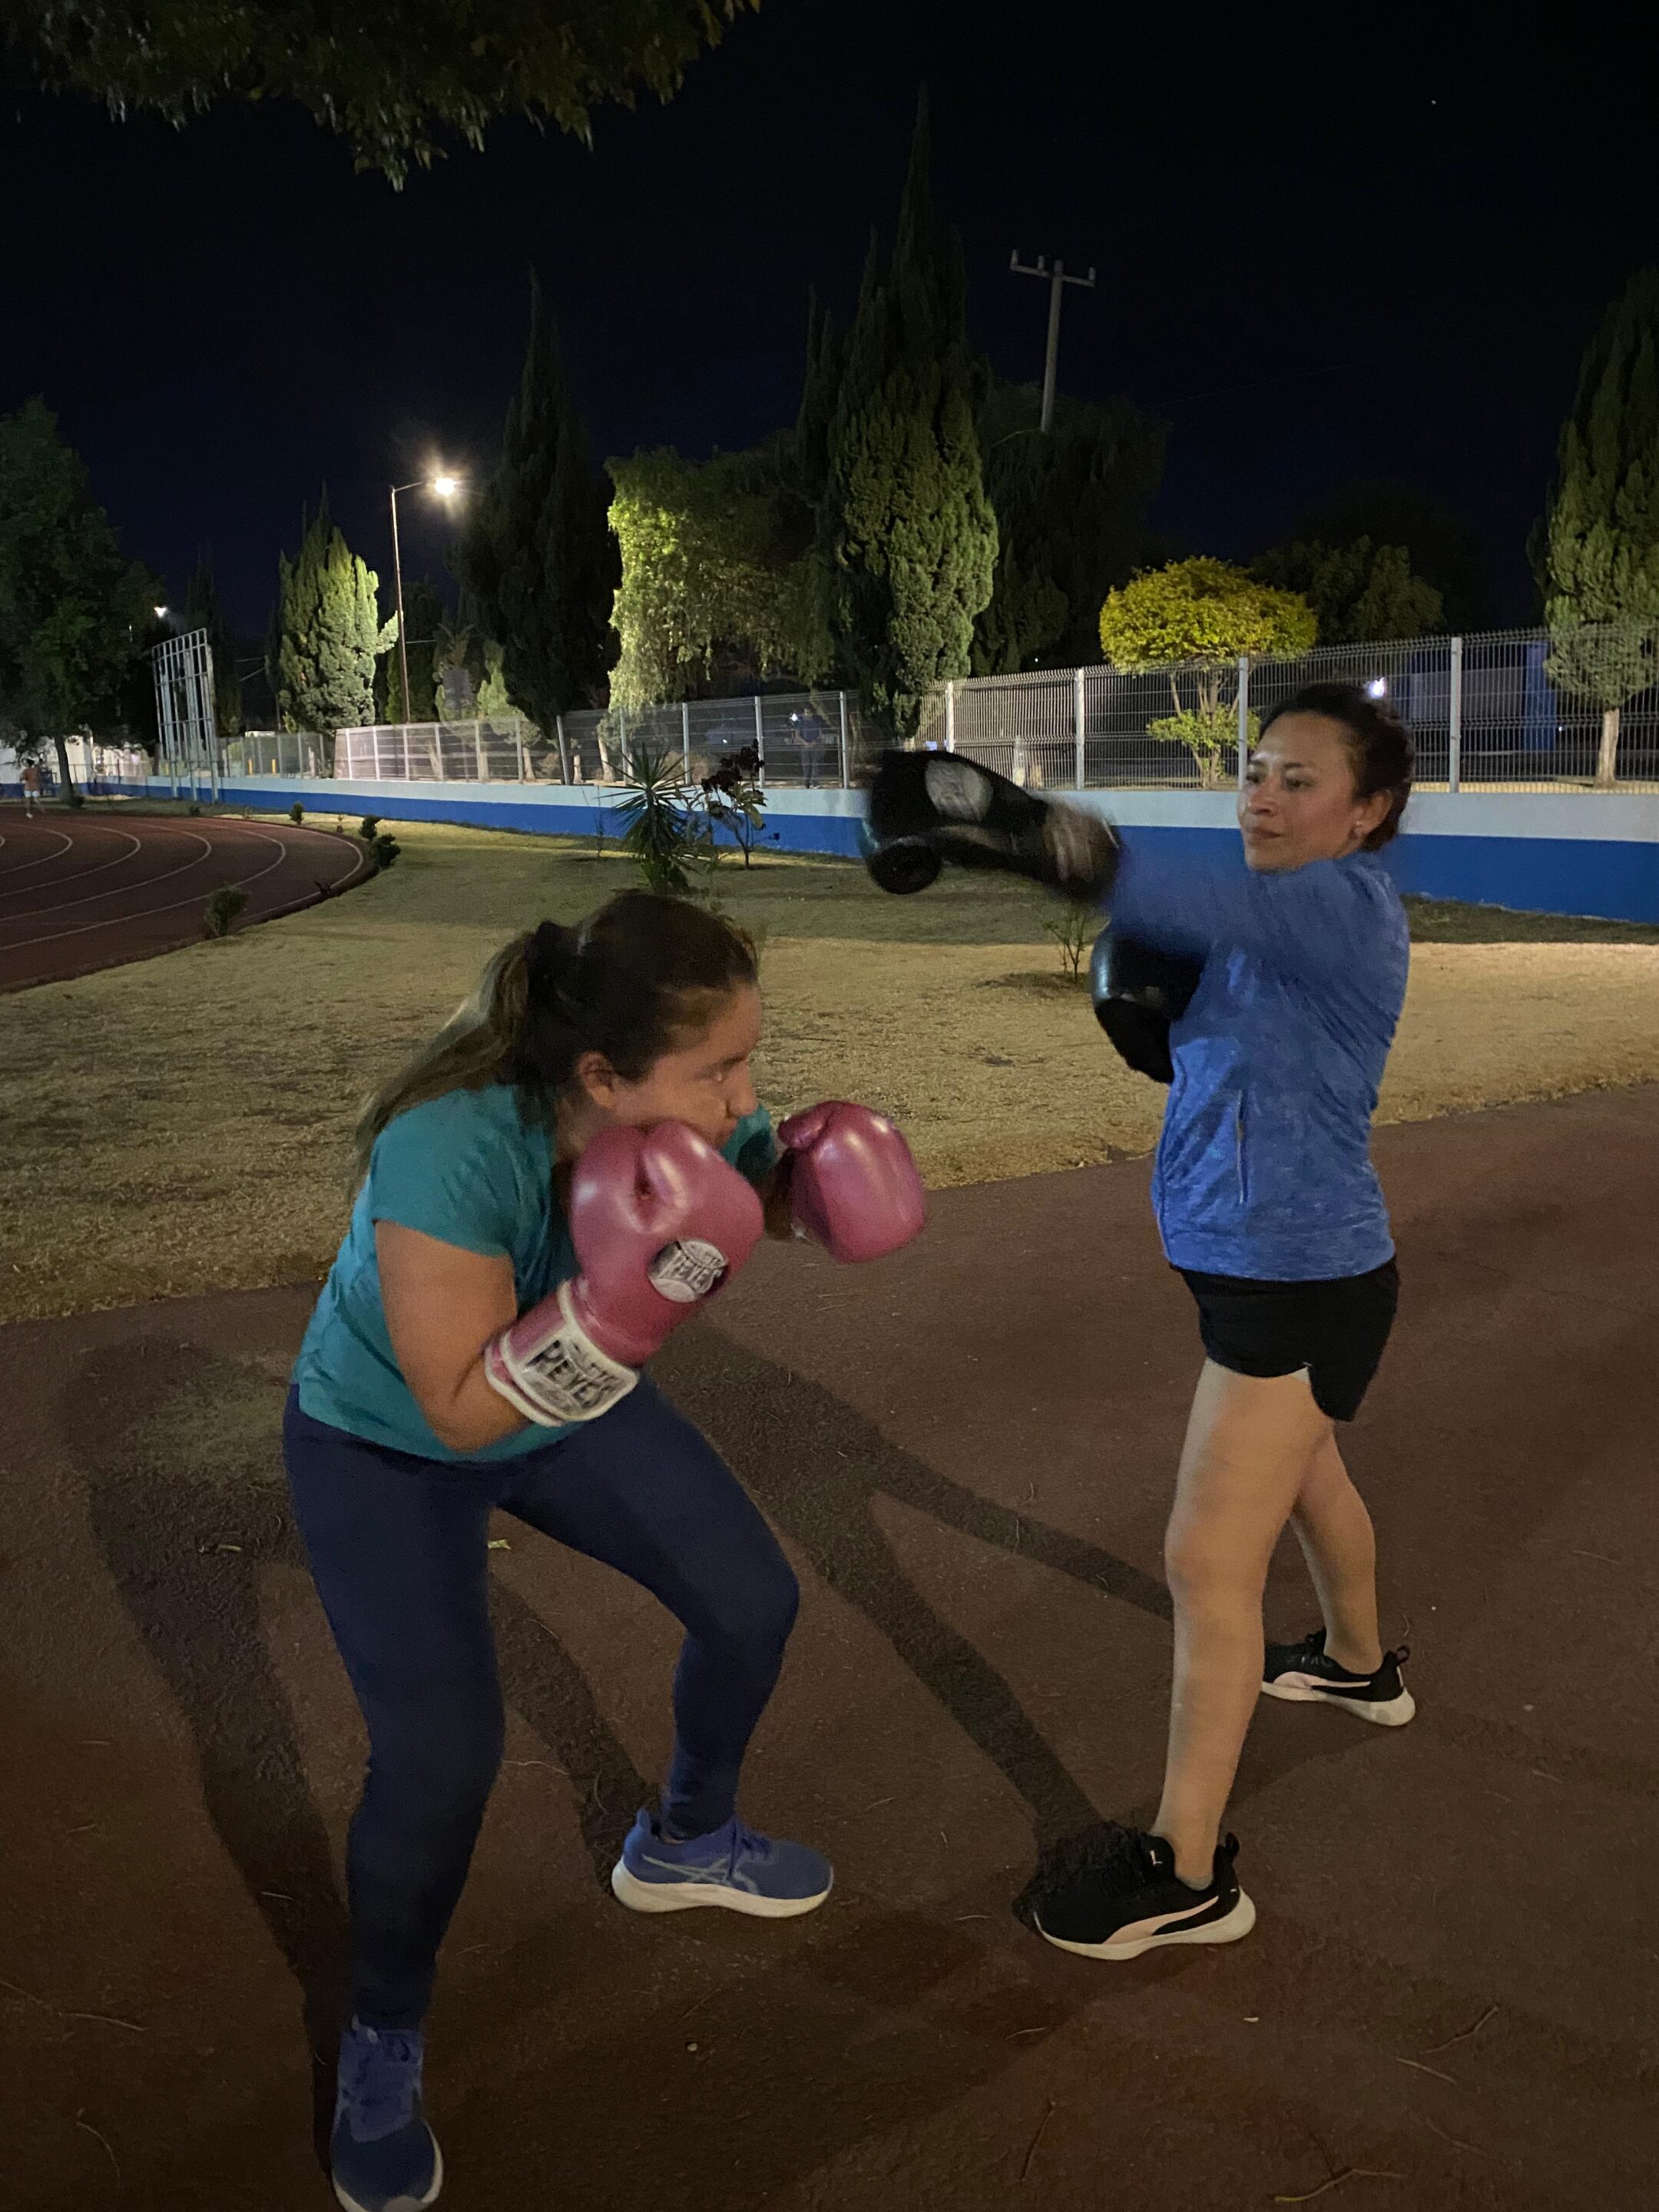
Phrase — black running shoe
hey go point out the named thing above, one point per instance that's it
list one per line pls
(1303, 1675)
(1134, 1902)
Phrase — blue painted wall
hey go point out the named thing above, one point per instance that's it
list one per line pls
(1610, 876)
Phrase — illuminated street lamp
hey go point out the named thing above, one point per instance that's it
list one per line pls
(446, 487)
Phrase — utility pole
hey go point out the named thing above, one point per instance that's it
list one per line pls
(1056, 278)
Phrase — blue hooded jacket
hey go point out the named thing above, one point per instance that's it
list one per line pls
(1264, 1164)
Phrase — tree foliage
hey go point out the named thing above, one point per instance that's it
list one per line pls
(424, 615)
(537, 561)
(75, 612)
(908, 536)
(329, 632)
(1597, 552)
(1358, 593)
(1440, 548)
(392, 76)
(1197, 618)
(1071, 508)
(711, 590)
(204, 609)
(1200, 609)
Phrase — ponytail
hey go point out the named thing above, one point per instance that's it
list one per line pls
(628, 983)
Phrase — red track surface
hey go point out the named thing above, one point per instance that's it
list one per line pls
(1448, 2005)
(79, 893)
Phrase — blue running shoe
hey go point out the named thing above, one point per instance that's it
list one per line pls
(382, 2154)
(732, 1867)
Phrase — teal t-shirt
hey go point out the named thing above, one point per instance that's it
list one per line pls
(470, 1170)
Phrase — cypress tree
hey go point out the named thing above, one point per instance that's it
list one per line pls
(1071, 508)
(1597, 552)
(204, 609)
(909, 533)
(330, 632)
(425, 614)
(537, 559)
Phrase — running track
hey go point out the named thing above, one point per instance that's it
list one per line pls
(1449, 2002)
(80, 892)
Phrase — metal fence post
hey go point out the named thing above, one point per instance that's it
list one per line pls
(950, 715)
(685, 738)
(1243, 732)
(1079, 722)
(564, 749)
(1455, 720)
(846, 778)
(760, 742)
(518, 739)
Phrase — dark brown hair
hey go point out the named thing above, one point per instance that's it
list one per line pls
(631, 982)
(1379, 746)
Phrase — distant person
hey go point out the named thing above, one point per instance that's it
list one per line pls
(555, 1183)
(31, 788)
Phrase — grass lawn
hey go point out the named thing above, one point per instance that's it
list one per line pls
(182, 1124)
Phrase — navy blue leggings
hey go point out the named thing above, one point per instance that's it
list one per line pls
(399, 1548)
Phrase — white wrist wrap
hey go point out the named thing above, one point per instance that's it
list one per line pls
(552, 1371)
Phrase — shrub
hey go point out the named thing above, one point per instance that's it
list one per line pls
(1073, 928)
(367, 827)
(296, 813)
(386, 849)
(733, 795)
(660, 830)
(221, 909)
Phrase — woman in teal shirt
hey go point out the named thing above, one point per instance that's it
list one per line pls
(550, 1186)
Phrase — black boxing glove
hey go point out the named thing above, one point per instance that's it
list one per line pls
(929, 808)
(1138, 993)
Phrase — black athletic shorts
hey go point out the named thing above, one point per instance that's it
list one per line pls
(1336, 1330)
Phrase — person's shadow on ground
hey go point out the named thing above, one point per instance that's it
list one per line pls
(188, 1508)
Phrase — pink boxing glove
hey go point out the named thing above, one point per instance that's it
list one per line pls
(660, 1221)
(852, 1185)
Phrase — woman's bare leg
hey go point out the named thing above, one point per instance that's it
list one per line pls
(1250, 1443)
(1340, 1546)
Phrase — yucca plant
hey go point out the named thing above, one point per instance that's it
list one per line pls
(661, 832)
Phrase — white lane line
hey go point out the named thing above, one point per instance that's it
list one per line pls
(145, 914)
(64, 846)
(137, 845)
(195, 861)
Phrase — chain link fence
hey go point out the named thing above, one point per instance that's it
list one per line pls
(278, 752)
(1506, 710)
(803, 740)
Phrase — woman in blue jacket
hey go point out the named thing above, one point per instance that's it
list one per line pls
(1269, 1206)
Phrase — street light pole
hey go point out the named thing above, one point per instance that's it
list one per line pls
(398, 572)
(1057, 279)
(446, 487)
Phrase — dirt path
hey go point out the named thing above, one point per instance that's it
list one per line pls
(966, 1453)
(80, 892)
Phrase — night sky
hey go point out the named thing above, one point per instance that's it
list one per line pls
(1329, 242)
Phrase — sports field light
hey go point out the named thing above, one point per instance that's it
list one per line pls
(446, 486)
(160, 614)
(1377, 687)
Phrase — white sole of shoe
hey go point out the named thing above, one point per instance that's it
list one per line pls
(1239, 1922)
(1385, 1713)
(401, 2203)
(685, 1897)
